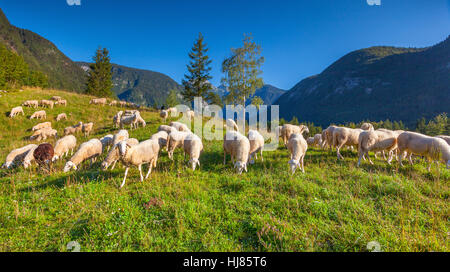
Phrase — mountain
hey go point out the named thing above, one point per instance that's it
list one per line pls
(376, 83)
(143, 87)
(268, 93)
(42, 55)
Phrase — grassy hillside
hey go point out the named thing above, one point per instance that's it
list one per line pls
(334, 206)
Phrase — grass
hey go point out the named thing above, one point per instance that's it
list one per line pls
(334, 206)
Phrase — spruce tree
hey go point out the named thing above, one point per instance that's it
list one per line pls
(196, 82)
(172, 99)
(99, 81)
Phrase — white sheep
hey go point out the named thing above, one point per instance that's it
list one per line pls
(193, 147)
(433, 148)
(47, 103)
(113, 155)
(173, 111)
(29, 158)
(116, 119)
(63, 146)
(130, 120)
(98, 101)
(310, 141)
(61, 116)
(16, 111)
(122, 135)
(256, 145)
(161, 137)
(376, 140)
(41, 126)
(238, 146)
(31, 103)
(140, 121)
(56, 98)
(17, 155)
(367, 126)
(88, 150)
(39, 115)
(445, 138)
(327, 137)
(343, 136)
(190, 114)
(107, 141)
(73, 129)
(164, 115)
(231, 125)
(87, 128)
(145, 152)
(175, 140)
(297, 147)
(287, 130)
(167, 129)
(61, 102)
(43, 134)
(318, 140)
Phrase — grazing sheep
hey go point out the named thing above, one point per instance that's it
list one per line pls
(116, 119)
(161, 137)
(140, 121)
(98, 101)
(63, 146)
(345, 136)
(16, 111)
(129, 120)
(445, 138)
(39, 115)
(376, 140)
(62, 102)
(318, 140)
(43, 134)
(367, 126)
(87, 128)
(113, 103)
(193, 147)
(190, 114)
(297, 147)
(73, 129)
(46, 103)
(433, 148)
(145, 152)
(17, 155)
(287, 130)
(327, 137)
(56, 98)
(29, 158)
(61, 116)
(180, 126)
(131, 112)
(113, 155)
(122, 135)
(173, 111)
(164, 115)
(41, 126)
(256, 145)
(88, 150)
(238, 146)
(31, 103)
(107, 141)
(310, 141)
(231, 125)
(167, 129)
(175, 140)
(122, 103)
(43, 154)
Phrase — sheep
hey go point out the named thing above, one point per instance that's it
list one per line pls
(113, 155)
(41, 126)
(445, 138)
(56, 98)
(107, 141)
(120, 136)
(167, 129)
(142, 153)
(278, 131)
(116, 119)
(190, 114)
(17, 155)
(63, 146)
(161, 137)
(62, 102)
(287, 130)
(310, 141)
(140, 121)
(16, 111)
(432, 148)
(231, 125)
(43, 134)
(327, 137)
(175, 140)
(61, 116)
(29, 158)
(73, 129)
(113, 103)
(256, 145)
(164, 114)
(39, 115)
(180, 126)
(193, 147)
(376, 140)
(88, 150)
(43, 154)
(367, 126)
(131, 112)
(345, 136)
(47, 103)
(87, 128)
(129, 120)
(297, 147)
(31, 103)
(122, 103)
(173, 111)
(98, 101)
(238, 146)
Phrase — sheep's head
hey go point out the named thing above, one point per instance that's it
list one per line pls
(69, 166)
(26, 164)
(7, 165)
(105, 165)
(240, 166)
(294, 164)
(193, 163)
(123, 146)
(55, 158)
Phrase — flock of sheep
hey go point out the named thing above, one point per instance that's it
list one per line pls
(242, 149)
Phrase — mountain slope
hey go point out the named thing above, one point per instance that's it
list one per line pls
(268, 93)
(42, 55)
(376, 83)
(143, 87)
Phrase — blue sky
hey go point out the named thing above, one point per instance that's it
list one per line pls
(298, 38)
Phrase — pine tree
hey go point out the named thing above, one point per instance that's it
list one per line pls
(172, 99)
(196, 82)
(99, 81)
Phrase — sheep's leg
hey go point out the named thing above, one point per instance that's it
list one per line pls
(368, 157)
(391, 157)
(125, 177)
(384, 155)
(262, 158)
(430, 162)
(303, 165)
(361, 154)
(410, 159)
(224, 158)
(338, 148)
(149, 170)
(140, 172)
(114, 165)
